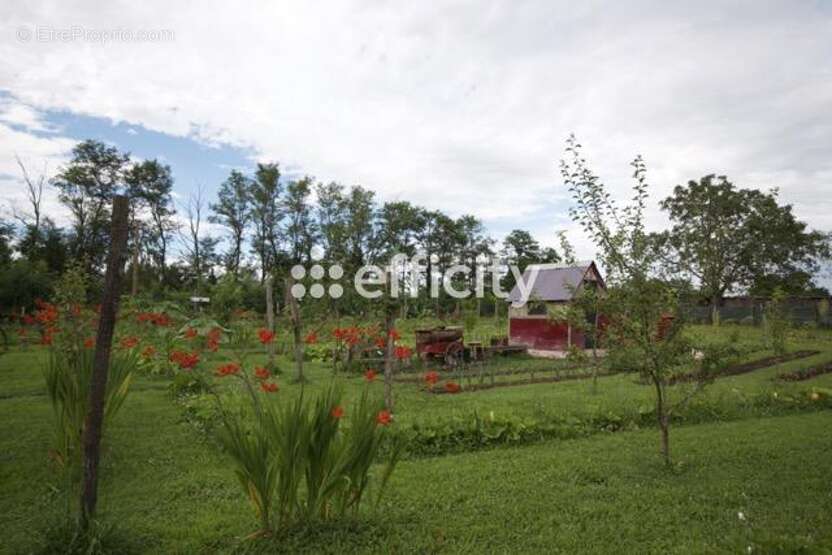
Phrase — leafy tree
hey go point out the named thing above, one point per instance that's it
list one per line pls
(794, 283)
(86, 187)
(521, 249)
(360, 208)
(332, 215)
(637, 304)
(726, 237)
(301, 229)
(266, 212)
(6, 238)
(232, 210)
(150, 185)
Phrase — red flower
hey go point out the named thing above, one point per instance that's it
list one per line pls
(266, 336)
(89, 342)
(394, 335)
(149, 351)
(161, 319)
(370, 375)
(129, 342)
(402, 353)
(262, 373)
(46, 339)
(383, 418)
(381, 342)
(337, 412)
(228, 369)
(215, 334)
(431, 377)
(452, 387)
(184, 360)
(28, 320)
(212, 345)
(311, 338)
(190, 333)
(269, 387)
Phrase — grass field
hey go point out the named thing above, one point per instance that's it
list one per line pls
(742, 477)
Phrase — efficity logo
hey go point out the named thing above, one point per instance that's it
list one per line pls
(408, 276)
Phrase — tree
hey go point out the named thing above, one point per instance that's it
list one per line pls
(266, 212)
(726, 237)
(301, 230)
(31, 220)
(200, 250)
(521, 249)
(6, 239)
(150, 185)
(232, 211)
(332, 215)
(86, 187)
(638, 305)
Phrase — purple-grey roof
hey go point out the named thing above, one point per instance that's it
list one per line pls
(554, 282)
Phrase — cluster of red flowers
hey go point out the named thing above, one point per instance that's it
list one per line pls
(129, 342)
(402, 352)
(452, 387)
(262, 373)
(311, 338)
(149, 352)
(266, 336)
(337, 412)
(228, 369)
(184, 360)
(370, 375)
(383, 418)
(156, 318)
(213, 339)
(431, 377)
(269, 387)
(394, 335)
(191, 333)
(89, 342)
(47, 316)
(351, 336)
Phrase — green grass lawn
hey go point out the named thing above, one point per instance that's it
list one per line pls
(168, 489)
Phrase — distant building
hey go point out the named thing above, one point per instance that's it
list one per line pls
(529, 324)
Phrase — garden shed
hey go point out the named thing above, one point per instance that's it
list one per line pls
(555, 285)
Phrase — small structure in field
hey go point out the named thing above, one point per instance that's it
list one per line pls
(556, 285)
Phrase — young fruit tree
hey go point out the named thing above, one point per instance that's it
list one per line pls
(644, 326)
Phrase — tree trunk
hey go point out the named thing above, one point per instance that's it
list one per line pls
(270, 318)
(715, 310)
(101, 361)
(134, 288)
(296, 329)
(389, 325)
(663, 419)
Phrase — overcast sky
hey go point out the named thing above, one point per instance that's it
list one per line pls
(463, 106)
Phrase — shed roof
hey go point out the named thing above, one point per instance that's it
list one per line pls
(554, 282)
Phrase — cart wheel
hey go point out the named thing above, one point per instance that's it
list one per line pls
(454, 354)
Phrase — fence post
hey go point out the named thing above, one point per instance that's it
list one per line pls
(101, 361)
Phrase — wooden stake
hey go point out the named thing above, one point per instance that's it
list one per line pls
(101, 361)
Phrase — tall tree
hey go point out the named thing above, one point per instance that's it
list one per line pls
(150, 186)
(266, 213)
(232, 210)
(31, 219)
(301, 228)
(521, 249)
(725, 238)
(86, 187)
(332, 215)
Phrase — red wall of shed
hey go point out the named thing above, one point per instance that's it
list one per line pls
(540, 333)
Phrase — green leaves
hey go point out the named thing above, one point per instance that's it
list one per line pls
(308, 460)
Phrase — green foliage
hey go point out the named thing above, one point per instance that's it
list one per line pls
(777, 322)
(297, 463)
(67, 375)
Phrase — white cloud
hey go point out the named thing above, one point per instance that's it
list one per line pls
(461, 106)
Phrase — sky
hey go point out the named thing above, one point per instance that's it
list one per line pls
(459, 106)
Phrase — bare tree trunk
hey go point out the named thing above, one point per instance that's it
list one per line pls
(296, 328)
(270, 317)
(715, 310)
(389, 325)
(101, 361)
(663, 419)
